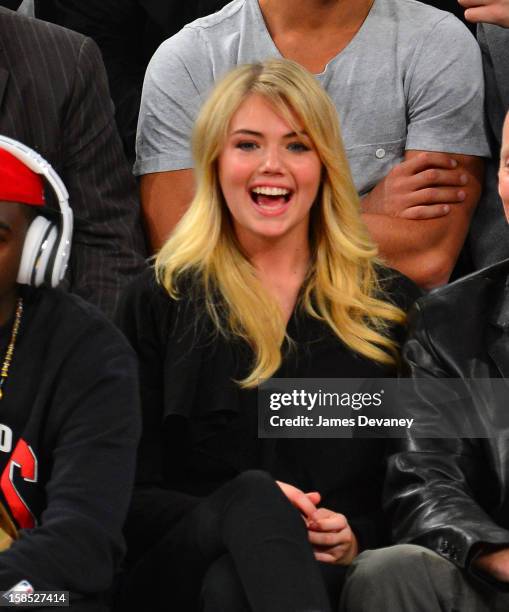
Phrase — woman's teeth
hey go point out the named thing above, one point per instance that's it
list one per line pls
(270, 196)
(271, 191)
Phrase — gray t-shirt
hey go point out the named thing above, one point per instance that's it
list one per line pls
(411, 78)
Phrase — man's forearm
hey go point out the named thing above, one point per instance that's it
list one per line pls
(424, 247)
(413, 247)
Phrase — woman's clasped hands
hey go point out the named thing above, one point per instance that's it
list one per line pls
(329, 533)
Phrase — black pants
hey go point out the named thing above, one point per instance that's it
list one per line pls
(222, 590)
(244, 546)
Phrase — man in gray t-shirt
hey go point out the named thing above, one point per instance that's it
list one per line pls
(405, 78)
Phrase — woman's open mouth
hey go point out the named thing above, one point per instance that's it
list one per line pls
(271, 200)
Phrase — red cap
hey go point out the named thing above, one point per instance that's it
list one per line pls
(18, 183)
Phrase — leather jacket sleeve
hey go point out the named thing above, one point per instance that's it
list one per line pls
(433, 484)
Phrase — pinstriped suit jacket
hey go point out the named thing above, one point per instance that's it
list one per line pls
(54, 97)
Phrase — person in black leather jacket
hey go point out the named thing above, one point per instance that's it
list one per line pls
(449, 497)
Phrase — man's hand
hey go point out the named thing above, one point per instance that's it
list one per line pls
(332, 539)
(487, 11)
(422, 187)
(425, 249)
(495, 563)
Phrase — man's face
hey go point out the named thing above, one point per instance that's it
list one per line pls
(503, 174)
(14, 221)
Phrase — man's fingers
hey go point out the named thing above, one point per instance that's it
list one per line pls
(486, 14)
(436, 195)
(438, 177)
(487, 11)
(427, 159)
(430, 211)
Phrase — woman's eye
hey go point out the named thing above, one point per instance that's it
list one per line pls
(244, 145)
(298, 147)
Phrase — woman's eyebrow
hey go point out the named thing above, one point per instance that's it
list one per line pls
(248, 132)
(4, 226)
(255, 133)
(301, 134)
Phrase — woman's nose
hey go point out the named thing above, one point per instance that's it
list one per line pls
(272, 162)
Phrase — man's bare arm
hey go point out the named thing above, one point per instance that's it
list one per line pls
(423, 248)
(165, 197)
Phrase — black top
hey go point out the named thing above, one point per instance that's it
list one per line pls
(69, 427)
(200, 427)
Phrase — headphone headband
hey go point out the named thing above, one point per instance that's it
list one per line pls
(58, 260)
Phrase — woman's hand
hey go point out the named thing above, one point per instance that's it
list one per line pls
(332, 538)
(304, 502)
(329, 533)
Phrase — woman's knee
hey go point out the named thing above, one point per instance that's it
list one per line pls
(255, 482)
(256, 489)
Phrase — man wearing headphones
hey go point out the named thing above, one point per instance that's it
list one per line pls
(68, 406)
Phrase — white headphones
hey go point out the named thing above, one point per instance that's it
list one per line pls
(47, 245)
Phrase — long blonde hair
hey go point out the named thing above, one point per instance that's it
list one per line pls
(341, 287)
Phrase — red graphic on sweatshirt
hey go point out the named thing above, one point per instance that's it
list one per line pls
(24, 459)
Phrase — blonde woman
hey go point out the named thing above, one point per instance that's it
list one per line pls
(269, 273)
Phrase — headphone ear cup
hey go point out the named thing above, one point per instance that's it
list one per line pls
(39, 243)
